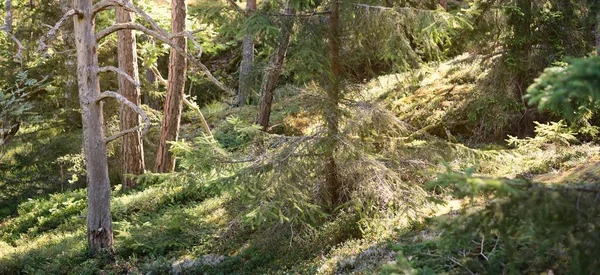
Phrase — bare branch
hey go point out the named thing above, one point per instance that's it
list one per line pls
(195, 107)
(133, 106)
(159, 76)
(102, 5)
(52, 32)
(8, 21)
(105, 4)
(20, 46)
(188, 103)
(165, 39)
(236, 7)
(7, 28)
(120, 72)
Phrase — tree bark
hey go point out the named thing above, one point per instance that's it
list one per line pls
(132, 151)
(597, 33)
(331, 111)
(273, 71)
(165, 162)
(521, 47)
(99, 224)
(245, 81)
(444, 4)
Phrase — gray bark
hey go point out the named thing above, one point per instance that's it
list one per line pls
(245, 81)
(273, 71)
(597, 33)
(132, 151)
(99, 223)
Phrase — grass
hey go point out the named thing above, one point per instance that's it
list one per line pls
(165, 221)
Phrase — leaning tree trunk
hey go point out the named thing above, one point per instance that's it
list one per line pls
(331, 111)
(132, 151)
(245, 81)
(99, 224)
(165, 162)
(273, 71)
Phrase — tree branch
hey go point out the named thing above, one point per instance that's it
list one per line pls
(236, 7)
(165, 38)
(188, 103)
(133, 106)
(8, 29)
(159, 76)
(120, 72)
(52, 32)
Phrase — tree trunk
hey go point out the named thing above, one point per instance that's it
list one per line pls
(597, 33)
(331, 111)
(444, 4)
(8, 19)
(520, 50)
(245, 81)
(165, 162)
(273, 71)
(132, 151)
(99, 224)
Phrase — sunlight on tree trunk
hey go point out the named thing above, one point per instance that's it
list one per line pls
(331, 111)
(99, 223)
(165, 161)
(132, 150)
(273, 71)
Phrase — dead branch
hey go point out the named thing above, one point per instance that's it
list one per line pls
(159, 76)
(120, 72)
(165, 38)
(188, 103)
(106, 4)
(133, 106)
(7, 28)
(236, 7)
(52, 32)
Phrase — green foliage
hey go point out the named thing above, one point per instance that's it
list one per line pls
(573, 90)
(553, 132)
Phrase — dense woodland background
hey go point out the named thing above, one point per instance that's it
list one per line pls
(299, 137)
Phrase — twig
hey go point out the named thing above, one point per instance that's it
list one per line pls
(120, 72)
(133, 106)
(237, 7)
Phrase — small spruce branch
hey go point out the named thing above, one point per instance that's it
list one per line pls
(133, 106)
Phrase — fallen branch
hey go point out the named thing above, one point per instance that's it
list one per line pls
(120, 72)
(133, 106)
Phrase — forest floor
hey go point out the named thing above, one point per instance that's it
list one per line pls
(163, 227)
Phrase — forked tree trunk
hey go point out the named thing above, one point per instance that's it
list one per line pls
(273, 71)
(331, 111)
(99, 224)
(165, 162)
(245, 81)
(132, 151)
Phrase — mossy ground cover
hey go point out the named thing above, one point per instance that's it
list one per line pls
(162, 222)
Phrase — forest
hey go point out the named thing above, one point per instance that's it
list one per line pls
(299, 137)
